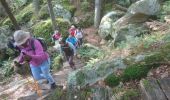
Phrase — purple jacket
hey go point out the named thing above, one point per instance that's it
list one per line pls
(38, 55)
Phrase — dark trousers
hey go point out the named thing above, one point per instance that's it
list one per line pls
(70, 60)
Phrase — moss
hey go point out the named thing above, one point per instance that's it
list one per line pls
(112, 80)
(43, 29)
(57, 63)
(135, 71)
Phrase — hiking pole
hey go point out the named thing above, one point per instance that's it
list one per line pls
(35, 84)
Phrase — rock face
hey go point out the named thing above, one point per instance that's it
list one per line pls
(105, 27)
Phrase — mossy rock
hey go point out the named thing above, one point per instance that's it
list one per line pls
(44, 29)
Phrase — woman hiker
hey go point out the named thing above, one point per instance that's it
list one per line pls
(38, 58)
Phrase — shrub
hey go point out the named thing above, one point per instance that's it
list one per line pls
(44, 29)
(6, 68)
(112, 80)
(135, 71)
(85, 6)
(88, 53)
(57, 63)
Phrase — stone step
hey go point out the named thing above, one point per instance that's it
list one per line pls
(153, 89)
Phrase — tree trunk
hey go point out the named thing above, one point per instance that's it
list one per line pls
(97, 13)
(36, 6)
(50, 8)
(10, 15)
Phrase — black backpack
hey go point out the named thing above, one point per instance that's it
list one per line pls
(42, 41)
(67, 50)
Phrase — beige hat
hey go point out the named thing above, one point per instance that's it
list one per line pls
(21, 37)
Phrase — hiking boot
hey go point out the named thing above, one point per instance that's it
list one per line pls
(53, 86)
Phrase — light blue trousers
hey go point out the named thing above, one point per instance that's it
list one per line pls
(42, 71)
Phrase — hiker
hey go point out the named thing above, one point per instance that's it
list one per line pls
(72, 30)
(38, 59)
(68, 51)
(56, 36)
(72, 40)
(79, 36)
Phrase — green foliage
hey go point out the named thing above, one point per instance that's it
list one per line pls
(80, 79)
(25, 15)
(57, 63)
(43, 13)
(8, 23)
(112, 80)
(85, 6)
(135, 71)
(63, 26)
(130, 94)
(88, 53)
(43, 29)
(6, 69)
(165, 10)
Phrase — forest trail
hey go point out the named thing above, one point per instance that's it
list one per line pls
(20, 89)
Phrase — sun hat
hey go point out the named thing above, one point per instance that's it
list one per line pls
(21, 37)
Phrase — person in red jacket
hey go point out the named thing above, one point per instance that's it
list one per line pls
(72, 30)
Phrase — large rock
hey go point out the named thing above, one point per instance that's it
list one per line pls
(90, 74)
(128, 32)
(147, 7)
(105, 27)
(59, 11)
(139, 12)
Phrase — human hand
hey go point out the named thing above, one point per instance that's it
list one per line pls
(17, 64)
(26, 57)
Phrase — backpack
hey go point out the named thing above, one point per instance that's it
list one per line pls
(42, 41)
(67, 50)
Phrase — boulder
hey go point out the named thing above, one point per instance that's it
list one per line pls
(105, 27)
(139, 12)
(59, 11)
(128, 32)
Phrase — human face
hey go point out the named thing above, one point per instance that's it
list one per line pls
(25, 44)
